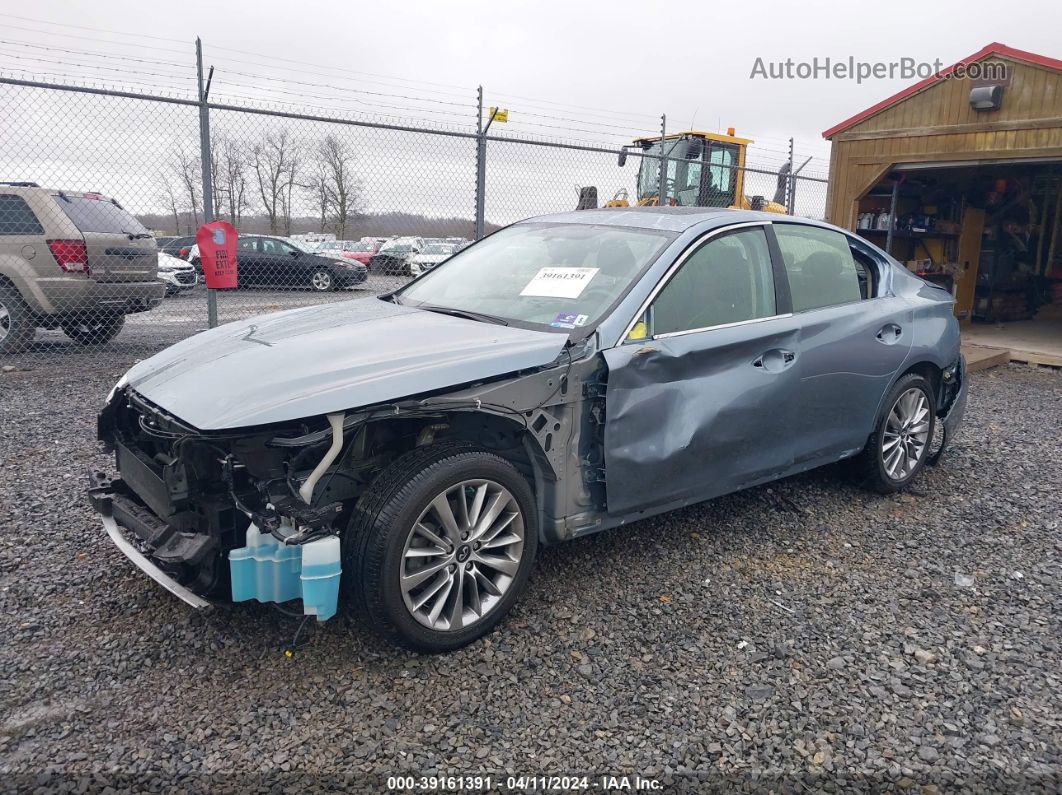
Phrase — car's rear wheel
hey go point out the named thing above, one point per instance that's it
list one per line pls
(321, 280)
(899, 446)
(17, 324)
(441, 546)
(94, 329)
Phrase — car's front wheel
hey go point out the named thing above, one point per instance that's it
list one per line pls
(441, 546)
(899, 446)
(94, 329)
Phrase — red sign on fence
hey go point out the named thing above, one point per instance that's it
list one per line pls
(217, 253)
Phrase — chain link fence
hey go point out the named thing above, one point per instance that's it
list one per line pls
(102, 191)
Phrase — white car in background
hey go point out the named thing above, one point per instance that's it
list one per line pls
(431, 255)
(178, 275)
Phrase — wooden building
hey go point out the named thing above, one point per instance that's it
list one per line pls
(960, 176)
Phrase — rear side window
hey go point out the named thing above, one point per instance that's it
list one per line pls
(16, 217)
(727, 280)
(99, 215)
(821, 269)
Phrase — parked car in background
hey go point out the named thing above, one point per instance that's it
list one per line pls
(69, 260)
(430, 256)
(277, 262)
(363, 251)
(356, 249)
(394, 256)
(177, 246)
(273, 262)
(178, 276)
(682, 353)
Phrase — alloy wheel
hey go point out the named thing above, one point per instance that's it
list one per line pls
(906, 434)
(321, 281)
(461, 555)
(5, 322)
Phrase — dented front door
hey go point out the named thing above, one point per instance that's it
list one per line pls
(693, 416)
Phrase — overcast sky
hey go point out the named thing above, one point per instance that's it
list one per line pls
(582, 71)
(690, 59)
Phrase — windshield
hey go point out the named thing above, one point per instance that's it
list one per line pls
(551, 275)
(99, 215)
(359, 247)
(438, 248)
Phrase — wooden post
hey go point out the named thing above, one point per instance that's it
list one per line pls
(1054, 229)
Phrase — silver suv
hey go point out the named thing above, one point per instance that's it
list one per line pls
(75, 261)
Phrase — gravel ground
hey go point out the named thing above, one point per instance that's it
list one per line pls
(803, 636)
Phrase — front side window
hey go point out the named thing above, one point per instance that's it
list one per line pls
(553, 276)
(820, 266)
(16, 217)
(728, 279)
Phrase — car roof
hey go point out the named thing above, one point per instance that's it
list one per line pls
(669, 219)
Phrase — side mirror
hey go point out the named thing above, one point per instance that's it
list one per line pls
(621, 161)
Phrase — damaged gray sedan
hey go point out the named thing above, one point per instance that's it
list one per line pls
(406, 455)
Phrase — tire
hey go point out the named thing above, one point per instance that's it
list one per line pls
(383, 543)
(894, 455)
(17, 323)
(322, 281)
(94, 329)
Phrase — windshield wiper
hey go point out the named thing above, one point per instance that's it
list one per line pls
(479, 316)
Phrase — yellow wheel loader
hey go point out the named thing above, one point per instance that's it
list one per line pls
(703, 170)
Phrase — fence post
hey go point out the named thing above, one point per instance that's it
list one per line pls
(790, 205)
(481, 166)
(661, 190)
(205, 167)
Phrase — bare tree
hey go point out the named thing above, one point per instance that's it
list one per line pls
(339, 184)
(187, 169)
(233, 182)
(317, 188)
(169, 196)
(291, 174)
(270, 160)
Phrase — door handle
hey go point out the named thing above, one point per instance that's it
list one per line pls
(890, 334)
(774, 360)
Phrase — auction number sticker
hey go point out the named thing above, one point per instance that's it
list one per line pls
(559, 282)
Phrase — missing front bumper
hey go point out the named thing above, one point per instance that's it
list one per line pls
(111, 507)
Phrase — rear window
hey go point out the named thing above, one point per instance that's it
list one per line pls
(16, 217)
(99, 215)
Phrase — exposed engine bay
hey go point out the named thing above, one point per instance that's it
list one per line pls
(242, 514)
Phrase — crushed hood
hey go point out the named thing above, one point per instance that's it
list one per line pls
(320, 359)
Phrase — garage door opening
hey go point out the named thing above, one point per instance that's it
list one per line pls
(991, 233)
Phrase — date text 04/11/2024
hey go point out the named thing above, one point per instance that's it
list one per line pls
(466, 783)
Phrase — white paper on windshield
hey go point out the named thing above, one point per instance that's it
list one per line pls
(558, 282)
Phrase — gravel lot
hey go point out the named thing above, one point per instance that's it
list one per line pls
(803, 636)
